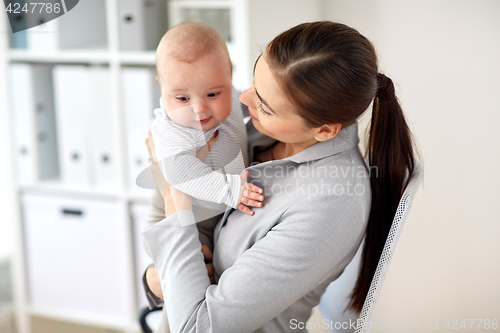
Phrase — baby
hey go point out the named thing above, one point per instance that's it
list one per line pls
(198, 101)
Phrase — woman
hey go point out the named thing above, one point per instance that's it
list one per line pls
(311, 85)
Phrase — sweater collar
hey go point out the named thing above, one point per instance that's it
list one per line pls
(346, 139)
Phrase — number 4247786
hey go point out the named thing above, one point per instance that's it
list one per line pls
(471, 323)
(43, 7)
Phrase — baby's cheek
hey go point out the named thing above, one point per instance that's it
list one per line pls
(223, 111)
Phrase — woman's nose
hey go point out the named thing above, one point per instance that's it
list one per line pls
(245, 97)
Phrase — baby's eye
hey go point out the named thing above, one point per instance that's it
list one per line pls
(213, 94)
(182, 98)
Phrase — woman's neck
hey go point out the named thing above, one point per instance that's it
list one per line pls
(283, 149)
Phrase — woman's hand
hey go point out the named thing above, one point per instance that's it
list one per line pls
(203, 151)
(153, 279)
(175, 200)
(208, 255)
(158, 178)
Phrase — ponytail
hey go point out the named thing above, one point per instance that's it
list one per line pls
(390, 155)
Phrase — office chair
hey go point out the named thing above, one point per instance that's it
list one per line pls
(142, 318)
(334, 301)
(389, 247)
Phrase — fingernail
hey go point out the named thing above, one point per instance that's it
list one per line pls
(261, 198)
(259, 204)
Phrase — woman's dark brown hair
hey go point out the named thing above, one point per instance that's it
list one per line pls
(330, 73)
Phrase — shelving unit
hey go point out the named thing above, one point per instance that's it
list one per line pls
(248, 31)
(114, 59)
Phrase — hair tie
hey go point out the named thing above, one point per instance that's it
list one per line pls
(385, 89)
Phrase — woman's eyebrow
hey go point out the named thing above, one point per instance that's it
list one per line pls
(264, 102)
(255, 64)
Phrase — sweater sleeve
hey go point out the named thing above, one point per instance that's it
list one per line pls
(176, 154)
(301, 251)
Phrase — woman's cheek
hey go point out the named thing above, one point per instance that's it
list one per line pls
(272, 125)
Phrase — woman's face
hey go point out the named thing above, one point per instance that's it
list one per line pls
(272, 112)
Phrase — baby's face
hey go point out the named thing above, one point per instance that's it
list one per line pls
(197, 95)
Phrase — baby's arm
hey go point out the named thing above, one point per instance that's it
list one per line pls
(177, 159)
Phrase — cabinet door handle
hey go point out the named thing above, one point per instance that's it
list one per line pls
(73, 212)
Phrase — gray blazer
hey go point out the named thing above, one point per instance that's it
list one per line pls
(271, 268)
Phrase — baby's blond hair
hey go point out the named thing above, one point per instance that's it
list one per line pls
(188, 42)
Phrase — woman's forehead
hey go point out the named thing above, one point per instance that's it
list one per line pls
(268, 88)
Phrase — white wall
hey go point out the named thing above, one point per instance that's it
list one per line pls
(445, 58)
(268, 18)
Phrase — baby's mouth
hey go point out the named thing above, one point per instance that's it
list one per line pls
(204, 121)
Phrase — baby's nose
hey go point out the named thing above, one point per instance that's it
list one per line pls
(200, 108)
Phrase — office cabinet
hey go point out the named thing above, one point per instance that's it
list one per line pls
(75, 255)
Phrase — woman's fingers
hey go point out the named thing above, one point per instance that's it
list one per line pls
(203, 151)
(213, 139)
(158, 178)
(207, 254)
(210, 269)
(151, 146)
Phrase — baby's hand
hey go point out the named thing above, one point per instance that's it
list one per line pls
(249, 196)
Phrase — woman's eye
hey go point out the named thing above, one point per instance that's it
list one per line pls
(182, 99)
(264, 112)
(213, 94)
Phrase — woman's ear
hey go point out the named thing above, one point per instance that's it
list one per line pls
(326, 132)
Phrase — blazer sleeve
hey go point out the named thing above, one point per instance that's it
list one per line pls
(156, 214)
(305, 248)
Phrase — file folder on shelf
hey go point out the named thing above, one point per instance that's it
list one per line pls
(88, 143)
(71, 91)
(84, 26)
(44, 37)
(140, 96)
(142, 23)
(103, 143)
(35, 136)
